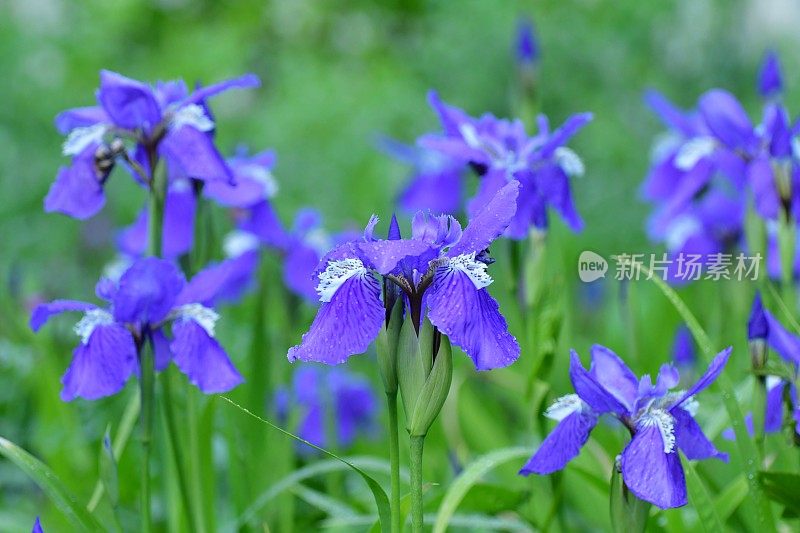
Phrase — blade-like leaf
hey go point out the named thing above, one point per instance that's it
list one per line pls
(469, 477)
(784, 488)
(381, 500)
(731, 497)
(701, 501)
(50, 484)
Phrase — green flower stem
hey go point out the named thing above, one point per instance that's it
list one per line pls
(147, 364)
(192, 511)
(417, 444)
(394, 459)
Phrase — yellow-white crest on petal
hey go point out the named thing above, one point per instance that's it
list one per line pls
(192, 115)
(563, 407)
(476, 270)
(693, 151)
(91, 320)
(204, 316)
(335, 274)
(80, 138)
(666, 426)
(569, 161)
(238, 242)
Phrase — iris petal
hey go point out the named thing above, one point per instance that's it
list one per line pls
(562, 445)
(651, 474)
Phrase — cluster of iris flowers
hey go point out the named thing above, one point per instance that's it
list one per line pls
(414, 295)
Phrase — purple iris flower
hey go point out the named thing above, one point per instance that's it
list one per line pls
(151, 294)
(436, 181)
(763, 326)
(136, 123)
(527, 47)
(715, 154)
(660, 422)
(500, 151)
(37, 526)
(317, 393)
(441, 271)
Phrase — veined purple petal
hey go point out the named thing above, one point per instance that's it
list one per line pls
(202, 359)
(470, 317)
(770, 80)
(714, 370)
(80, 117)
(773, 409)
(77, 191)
(346, 323)
(384, 256)
(489, 223)
(562, 445)
(650, 473)
(246, 81)
(690, 438)
(726, 118)
(779, 339)
(591, 391)
(129, 103)
(147, 291)
(765, 192)
(613, 375)
(42, 313)
(193, 151)
(102, 366)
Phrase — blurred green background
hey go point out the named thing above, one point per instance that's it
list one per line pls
(336, 76)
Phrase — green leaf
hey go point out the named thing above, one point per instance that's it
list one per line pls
(701, 500)
(108, 469)
(381, 500)
(470, 477)
(784, 488)
(748, 453)
(489, 499)
(729, 499)
(50, 484)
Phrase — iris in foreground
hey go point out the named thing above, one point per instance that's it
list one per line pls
(660, 422)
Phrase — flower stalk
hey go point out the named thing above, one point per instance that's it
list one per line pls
(417, 444)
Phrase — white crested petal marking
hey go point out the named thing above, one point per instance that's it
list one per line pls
(192, 115)
(335, 274)
(91, 320)
(476, 270)
(80, 138)
(204, 316)
(569, 161)
(665, 423)
(564, 406)
(693, 151)
(238, 242)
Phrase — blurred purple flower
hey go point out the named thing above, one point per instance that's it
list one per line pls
(150, 294)
(526, 45)
(135, 122)
(441, 271)
(500, 151)
(660, 423)
(37, 526)
(683, 349)
(436, 180)
(770, 79)
(318, 393)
